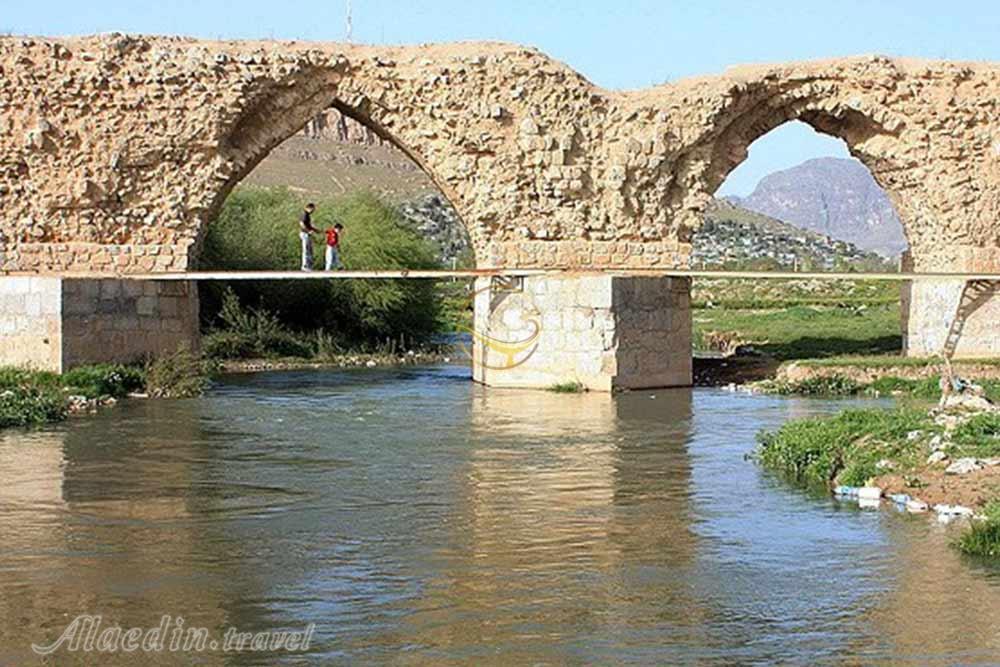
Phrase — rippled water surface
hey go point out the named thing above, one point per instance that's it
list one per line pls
(418, 519)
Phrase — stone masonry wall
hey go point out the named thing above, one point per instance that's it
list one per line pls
(605, 332)
(654, 332)
(116, 150)
(57, 323)
(112, 320)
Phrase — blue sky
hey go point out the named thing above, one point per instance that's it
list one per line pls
(617, 45)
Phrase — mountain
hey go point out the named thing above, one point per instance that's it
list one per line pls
(732, 237)
(835, 197)
(334, 155)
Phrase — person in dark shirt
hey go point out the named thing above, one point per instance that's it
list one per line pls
(306, 230)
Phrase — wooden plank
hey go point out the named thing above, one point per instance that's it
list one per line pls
(476, 273)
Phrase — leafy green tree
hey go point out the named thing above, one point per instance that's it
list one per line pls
(258, 230)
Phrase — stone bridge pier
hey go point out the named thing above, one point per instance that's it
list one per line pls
(117, 151)
(604, 332)
(55, 323)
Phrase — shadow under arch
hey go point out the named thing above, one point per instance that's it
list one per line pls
(278, 112)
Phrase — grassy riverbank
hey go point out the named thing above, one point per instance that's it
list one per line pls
(882, 384)
(801, 331)
(31, 397)
(845, 448)
(937, 458)
(36, 397)
(815, 338)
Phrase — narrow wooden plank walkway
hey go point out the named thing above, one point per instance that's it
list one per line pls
(476, 273)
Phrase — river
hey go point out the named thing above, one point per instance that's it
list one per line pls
(418, 519)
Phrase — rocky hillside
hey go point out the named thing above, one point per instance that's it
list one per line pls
(736, 238)
(834, 197)
(335, 155)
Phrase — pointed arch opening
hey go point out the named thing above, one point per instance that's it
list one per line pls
(392, 213)
(793, 191)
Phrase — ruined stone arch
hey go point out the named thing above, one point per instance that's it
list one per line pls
(872, 134)
(115, 150)
(282, 109)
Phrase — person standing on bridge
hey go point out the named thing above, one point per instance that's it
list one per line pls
(333, 247)
(306, 230)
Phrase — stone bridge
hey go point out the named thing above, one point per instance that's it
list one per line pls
(116, 151)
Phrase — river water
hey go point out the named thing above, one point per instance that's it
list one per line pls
(418, 519)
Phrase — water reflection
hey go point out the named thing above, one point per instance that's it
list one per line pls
(96, 521)
(570, 509)
(418, 519)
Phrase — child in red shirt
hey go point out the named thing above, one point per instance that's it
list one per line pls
(333, 247)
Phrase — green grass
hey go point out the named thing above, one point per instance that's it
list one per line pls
(764, 303)
(114, 380)
(834, 385)
(568, 388)
(891, 361)
(888, 385)
(743, 294)
(30, 397)
(807, 332)
(928, 388)
(979, 437)
(844, 448)
(982, 538)
(94, 381)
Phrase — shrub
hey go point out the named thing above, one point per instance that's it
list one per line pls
(257, 230)
(30, 405)
(982, 538)
(104, 380)
(326, 345)
(30, 397)
(228, 345)
(177, 375)
(251, 333)
(834, 385)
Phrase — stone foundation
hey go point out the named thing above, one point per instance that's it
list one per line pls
(928, 309)
(606, 332)
(53, 323)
